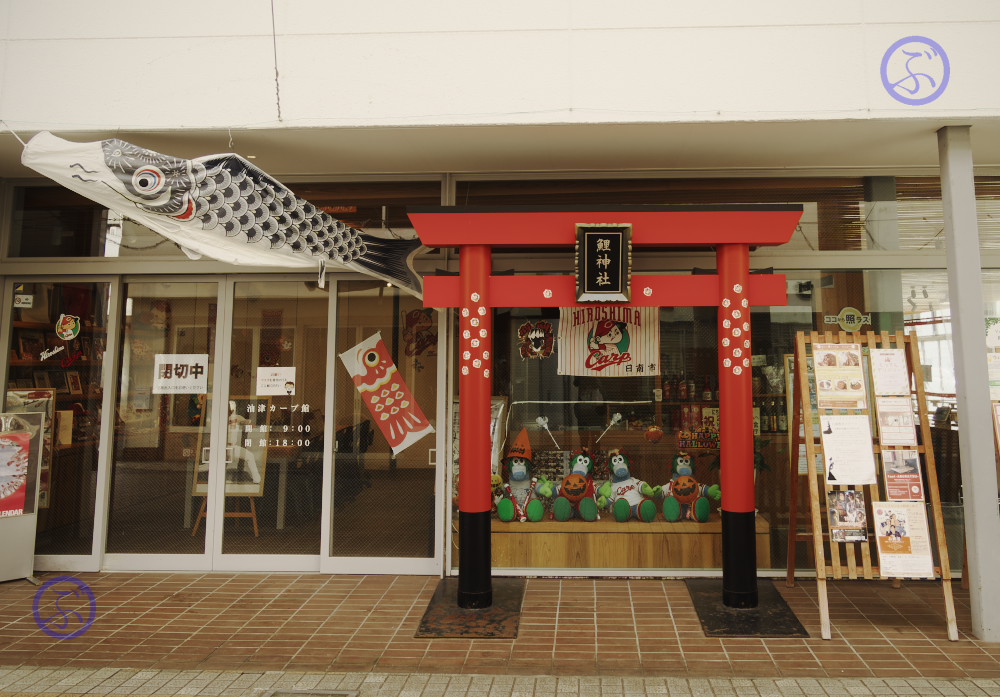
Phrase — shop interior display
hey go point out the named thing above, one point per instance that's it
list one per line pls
(56, 352)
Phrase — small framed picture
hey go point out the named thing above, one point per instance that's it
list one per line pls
(41, 379)
(31, 345)
(73, 382)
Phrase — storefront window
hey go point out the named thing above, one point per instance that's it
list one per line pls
(56, 363)
(384, 464)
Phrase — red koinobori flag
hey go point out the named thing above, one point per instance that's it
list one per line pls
(14, 450)
(387, 395)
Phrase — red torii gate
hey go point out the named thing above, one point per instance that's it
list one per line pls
(732, 230)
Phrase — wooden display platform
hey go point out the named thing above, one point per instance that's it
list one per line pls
(608, 544)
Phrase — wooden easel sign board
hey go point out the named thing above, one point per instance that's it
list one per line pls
(869, 503)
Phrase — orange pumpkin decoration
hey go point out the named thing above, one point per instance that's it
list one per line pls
(574, 487)
(685, 489)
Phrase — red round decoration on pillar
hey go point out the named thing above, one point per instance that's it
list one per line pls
(735, 386)
(474, 381)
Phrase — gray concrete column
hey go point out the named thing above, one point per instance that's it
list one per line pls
(977, 449)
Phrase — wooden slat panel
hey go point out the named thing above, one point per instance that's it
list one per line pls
(608, 544)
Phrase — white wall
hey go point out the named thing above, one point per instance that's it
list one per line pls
(70, 65)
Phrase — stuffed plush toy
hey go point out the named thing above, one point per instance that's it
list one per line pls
(684, 498)
(629, 497)
(575, 495)
(519, 500)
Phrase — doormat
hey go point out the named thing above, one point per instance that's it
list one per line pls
(771, 618)
(445, 619)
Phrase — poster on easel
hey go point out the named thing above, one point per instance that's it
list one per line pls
(847, 449)
(895, 421)
(903, 480)
(44, 401)
(903, 540)
(993, 375)
(840, 380)
(848, 520)
(790, 390)
(21, 438)
(889, 373)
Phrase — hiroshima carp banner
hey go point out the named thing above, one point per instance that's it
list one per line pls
(612, 341)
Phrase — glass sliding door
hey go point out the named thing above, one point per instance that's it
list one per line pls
(383, 502)
(159, 483)
(273, 454)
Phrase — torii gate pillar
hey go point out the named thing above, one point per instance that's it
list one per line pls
(475, 348)
(739, 544)
(730, 229)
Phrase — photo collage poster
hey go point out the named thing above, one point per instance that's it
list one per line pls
(848, 519)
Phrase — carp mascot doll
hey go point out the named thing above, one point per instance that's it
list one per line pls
(683, 497)
(575, 495)
(629, 497)
(520, 500)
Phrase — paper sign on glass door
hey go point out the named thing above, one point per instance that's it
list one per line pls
(180, 373)
(272, 380)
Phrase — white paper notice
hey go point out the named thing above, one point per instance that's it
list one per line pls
(889, 373)
(903, 540)
(275, 381)
(180, 373)
(847, 449)
(895, 421)
(993, 366)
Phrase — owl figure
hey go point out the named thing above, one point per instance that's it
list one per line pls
(386, 394)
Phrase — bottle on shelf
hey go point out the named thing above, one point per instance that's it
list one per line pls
(706, 390)
(774, 416)
(782, 415)
(682, 389)
(692, 388)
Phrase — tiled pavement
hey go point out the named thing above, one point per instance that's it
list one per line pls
(242, 634)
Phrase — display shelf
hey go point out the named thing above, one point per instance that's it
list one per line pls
(608, 544)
